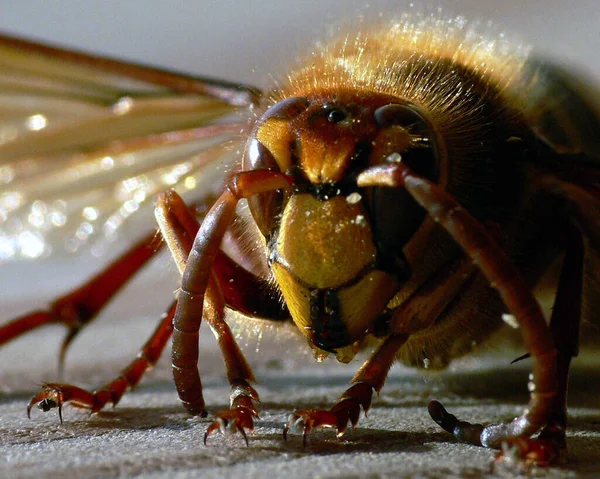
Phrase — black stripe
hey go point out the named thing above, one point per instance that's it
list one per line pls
(329, 332)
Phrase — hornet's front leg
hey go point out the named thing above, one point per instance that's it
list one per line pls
(205, 291)
(481, 247)
(370, 377)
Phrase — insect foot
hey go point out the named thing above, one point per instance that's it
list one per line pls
(241, 414)
(522, 453)
(515, 452)
(231, 421)
(56, 395)
(346, 409)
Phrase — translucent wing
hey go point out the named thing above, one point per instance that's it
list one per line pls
(86, 143)
(564, 107)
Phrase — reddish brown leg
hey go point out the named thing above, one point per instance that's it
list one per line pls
(79, 307)
(56, 394)
(205, 291)
(502, 275)
(564, 326)
(179, 227)
(428, 302)
(242, 408)
(90, 299)
(242, 290)
(415, 314)
(370, 377)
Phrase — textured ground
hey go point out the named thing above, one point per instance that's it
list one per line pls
(149, 433)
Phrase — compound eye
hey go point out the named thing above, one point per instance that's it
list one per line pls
(420, 153)
(264, 207)
(396, 114)
(401, 115)
(258, 157)
(287, 109)
(270, 148)
(395, 215)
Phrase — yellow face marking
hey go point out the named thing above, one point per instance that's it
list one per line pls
(297, 298)
(325, 161)
(328, 246)
(276, 135)
(360, 302)
(325, 243)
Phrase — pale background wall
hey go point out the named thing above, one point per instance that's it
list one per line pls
(241, 40)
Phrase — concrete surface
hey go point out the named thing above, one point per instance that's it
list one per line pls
(149, 434)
